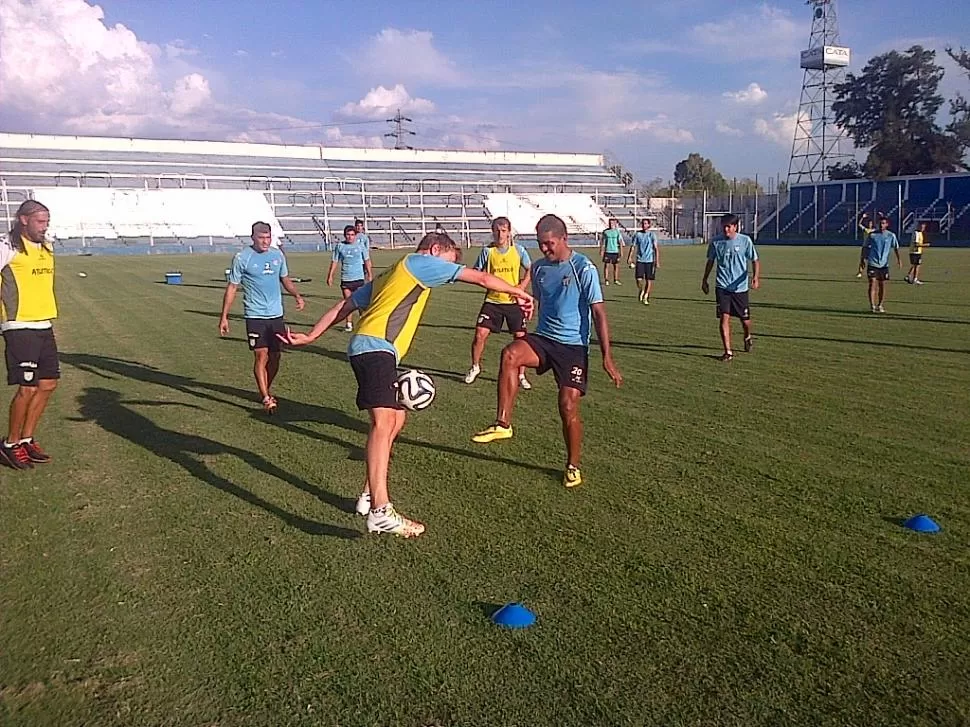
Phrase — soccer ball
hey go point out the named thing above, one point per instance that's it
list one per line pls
(415, 390)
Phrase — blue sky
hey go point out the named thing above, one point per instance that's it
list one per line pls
(645, 81)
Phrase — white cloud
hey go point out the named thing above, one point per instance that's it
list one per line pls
(334, 136)
(658, 128)
(766, 32)
(380, 102)
(721, 128)
(752, 95)
(405, 56)
(96, 79)
(241, 53)
(780, 128)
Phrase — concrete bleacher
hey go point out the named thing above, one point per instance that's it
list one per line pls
(829, 211)
(311, 192)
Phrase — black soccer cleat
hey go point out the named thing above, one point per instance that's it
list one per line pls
(15, 457)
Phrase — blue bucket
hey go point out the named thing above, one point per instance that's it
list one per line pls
(173, 278)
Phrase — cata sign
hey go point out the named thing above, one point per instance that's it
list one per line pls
(827, 56)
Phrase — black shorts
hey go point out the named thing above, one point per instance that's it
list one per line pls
(734, 304)
(916, 258)
(31, 356)
(646, 270)
(877, 273)
(493, 315)
(569, 364)
(611, 257)
(376, 374)
(261, 333)
(351, 285)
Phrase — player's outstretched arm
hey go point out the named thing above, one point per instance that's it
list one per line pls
(337, 313)
(490, 282)
(227, 298)
(368, 271)
(603, 334)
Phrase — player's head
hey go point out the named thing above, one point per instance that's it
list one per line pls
(358, 225)
(440, 245)
(262, 236)
(614, 223)
(729, 224)
(552, 237)
(924, 226)
(883, 224)
(350, 233)
(501, 231)
(32, 221)
(645, 224)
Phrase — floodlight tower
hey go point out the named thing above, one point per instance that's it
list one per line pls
(818, 141)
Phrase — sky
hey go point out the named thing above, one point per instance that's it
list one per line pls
(646, 82)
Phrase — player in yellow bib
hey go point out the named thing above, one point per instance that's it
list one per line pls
(391, 307)
(921, 239)
(27, 311)
(508, 261)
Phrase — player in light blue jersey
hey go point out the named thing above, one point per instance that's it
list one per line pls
(362, 237)
(876, 252)
(611, 248)
(566, 287)
(731, 253)
(645, 247)
(260, 269)
(353, 257)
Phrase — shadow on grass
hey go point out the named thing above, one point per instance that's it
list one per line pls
(289, 416)
(863, 311)
(667, 348)
(106, 408)
(488, 609)
(885, 344)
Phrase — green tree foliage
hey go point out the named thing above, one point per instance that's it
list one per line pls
(959, 107)
(891, 108)
(850, 170)
(695, 174)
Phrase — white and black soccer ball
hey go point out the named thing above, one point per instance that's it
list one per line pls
(415, 390)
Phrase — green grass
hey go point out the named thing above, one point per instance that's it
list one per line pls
(733, 558)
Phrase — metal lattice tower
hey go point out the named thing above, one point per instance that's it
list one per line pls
(818, 142)
(400, 134)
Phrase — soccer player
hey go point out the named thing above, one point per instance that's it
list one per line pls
(877, 263)
(610, 250)
(260, 269)
(353, 256)
(362, 237)
(920, 240)
(27, 311)
(392, 306)
(865, 224)
(510, 262)
(567, 289)
(731, 253)
(647, 250)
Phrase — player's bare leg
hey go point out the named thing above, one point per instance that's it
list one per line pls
(882, 295)
(872, 294)
(365, 499)
(516, 355)
(272, 369)
(36, 406)
(748, 340)
(261, 374)
(572, 425)
(725, 328)
(478, 348)
(641, 288)
(348, 321)
(386, 423)
(523, 381)
(18, 412)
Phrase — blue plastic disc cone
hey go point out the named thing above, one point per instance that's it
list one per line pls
(922, 524)
(514, 616)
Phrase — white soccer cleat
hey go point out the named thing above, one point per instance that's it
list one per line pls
(917, 281)
(524, 382)
(388, 520)
(349, 326)
(880, 309)
(363, 504)
(473, 373)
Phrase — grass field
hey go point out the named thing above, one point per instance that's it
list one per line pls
(733, 558)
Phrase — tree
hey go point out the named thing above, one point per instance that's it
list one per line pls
(695, 174)
(850, 170)
(960, 107)
(891, 108)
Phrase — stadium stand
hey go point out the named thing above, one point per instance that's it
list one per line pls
(828, 212)
(126, 195)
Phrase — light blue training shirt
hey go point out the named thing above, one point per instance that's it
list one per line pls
(564, 292)
(259, 275)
